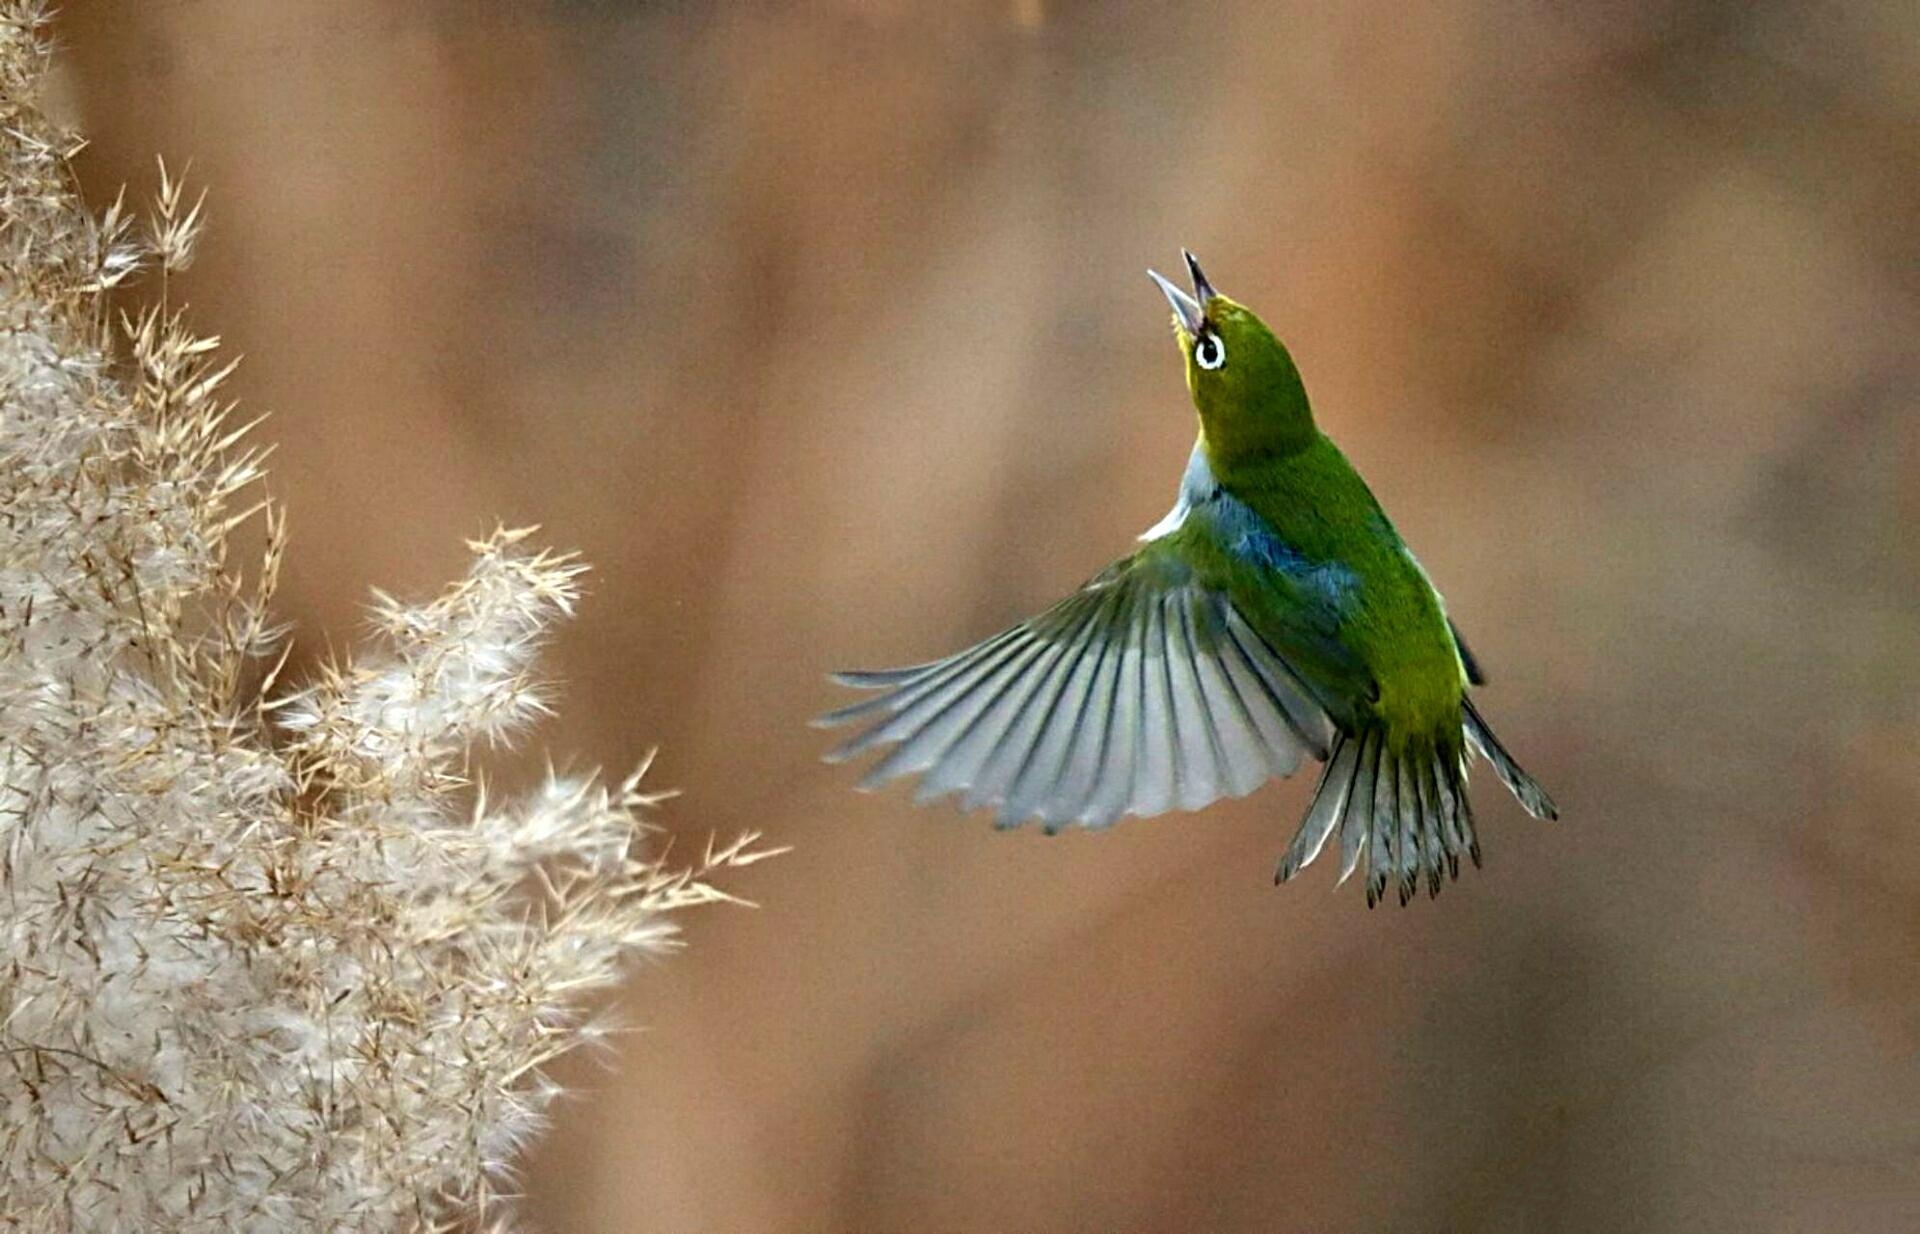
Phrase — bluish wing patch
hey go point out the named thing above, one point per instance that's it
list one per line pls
(1252, 539)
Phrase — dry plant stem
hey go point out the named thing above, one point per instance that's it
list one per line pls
(245, 983)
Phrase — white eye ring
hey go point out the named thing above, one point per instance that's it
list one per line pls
(1209, 351)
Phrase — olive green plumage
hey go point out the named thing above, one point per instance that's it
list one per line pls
(1274, 613)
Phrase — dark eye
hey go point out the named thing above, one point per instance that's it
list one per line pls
(1209, 352)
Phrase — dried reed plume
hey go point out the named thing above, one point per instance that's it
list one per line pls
(267, 962)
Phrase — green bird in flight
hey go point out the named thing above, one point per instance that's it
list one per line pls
(1274, 613)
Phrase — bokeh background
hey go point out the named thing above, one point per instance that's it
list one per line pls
(821, 330)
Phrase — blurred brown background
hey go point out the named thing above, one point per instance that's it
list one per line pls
(822, 331)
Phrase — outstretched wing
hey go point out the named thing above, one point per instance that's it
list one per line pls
(1144, 691)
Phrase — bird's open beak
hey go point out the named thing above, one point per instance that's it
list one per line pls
(1190, 309)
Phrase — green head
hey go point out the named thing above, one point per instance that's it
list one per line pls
(1244, 384)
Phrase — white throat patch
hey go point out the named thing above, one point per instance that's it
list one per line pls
(1197, 485)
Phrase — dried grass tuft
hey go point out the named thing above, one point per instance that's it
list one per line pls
(268, 960)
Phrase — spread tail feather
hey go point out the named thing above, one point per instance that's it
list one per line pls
(1402, 812)
(1525, 789)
